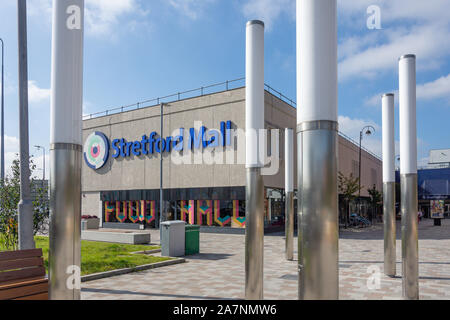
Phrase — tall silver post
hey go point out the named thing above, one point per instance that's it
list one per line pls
(254, 193)
(389, 184)
(25, 208)
(317, 134)
(65, 149)
(161, 198)
(289, 190)
(408, 176)
(2, 135)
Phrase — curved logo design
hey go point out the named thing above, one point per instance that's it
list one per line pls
(96, 150)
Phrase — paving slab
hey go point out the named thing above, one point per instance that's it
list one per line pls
(218, 271)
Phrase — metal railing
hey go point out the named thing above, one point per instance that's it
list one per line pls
(357, 145)
(434, 166)
(280, 95)
(198, 92)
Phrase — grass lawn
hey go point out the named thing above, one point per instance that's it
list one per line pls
(102, 256)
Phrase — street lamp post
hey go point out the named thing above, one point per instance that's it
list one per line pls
(2, 151)
(25, 207)
(43, 163)
(367, 130)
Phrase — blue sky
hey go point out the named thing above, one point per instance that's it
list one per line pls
(139, 49)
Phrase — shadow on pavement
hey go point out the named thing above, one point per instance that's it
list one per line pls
(427, 231)
(209, 256)
(111, 291)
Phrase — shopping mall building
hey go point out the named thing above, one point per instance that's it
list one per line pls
(203, 171)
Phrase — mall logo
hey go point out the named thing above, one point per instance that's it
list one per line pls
(96, 150)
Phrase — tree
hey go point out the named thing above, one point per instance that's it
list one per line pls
(348, 187)
(375, 199)
(9, 199)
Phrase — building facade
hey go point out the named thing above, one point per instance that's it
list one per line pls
(203, 162)
(433, 188)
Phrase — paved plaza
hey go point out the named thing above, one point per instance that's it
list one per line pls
(218, 271)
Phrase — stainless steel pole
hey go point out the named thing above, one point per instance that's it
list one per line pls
(161, 199)
(66, 149)
(389, 184)
(317, 132)
(25, 208)
(408, 176)
(359, 172)
(254, 191)
(289, 190)
(2, 141)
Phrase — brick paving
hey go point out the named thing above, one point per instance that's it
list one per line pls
(218, 271)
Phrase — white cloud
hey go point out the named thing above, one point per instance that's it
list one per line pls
(424, 31)
(268, 10)
(430, 10)
(429, 43)
(36, 94)
(439, 88)
(101, 16)
(38, 161)
(11, 150)
(40, 8)
(12, 147)
(190, 8)
(436, 89)
(11, 144)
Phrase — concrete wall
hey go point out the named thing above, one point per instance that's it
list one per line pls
(90, 203)
(143, 172)
(349, 163)
(135, 173)
(280, 115)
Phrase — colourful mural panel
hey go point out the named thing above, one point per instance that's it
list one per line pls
(151, 215)
(142, 210)
(121, 216)
(133, 211)
(217, 219)
(204, 208)
(109, 210)
(237, 221)
(187, 208)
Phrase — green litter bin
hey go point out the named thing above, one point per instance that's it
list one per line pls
(192, 241)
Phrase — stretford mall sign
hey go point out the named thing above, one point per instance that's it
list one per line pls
(97, 147)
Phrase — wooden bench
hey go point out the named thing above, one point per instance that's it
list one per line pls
(22, 275)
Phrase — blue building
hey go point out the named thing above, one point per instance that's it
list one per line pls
(433, 184)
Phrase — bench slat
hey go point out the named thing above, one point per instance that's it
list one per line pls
(22, 263)
(21, 254)
(40, 296)
(24, 291)
(22, 274)
(22, 283)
